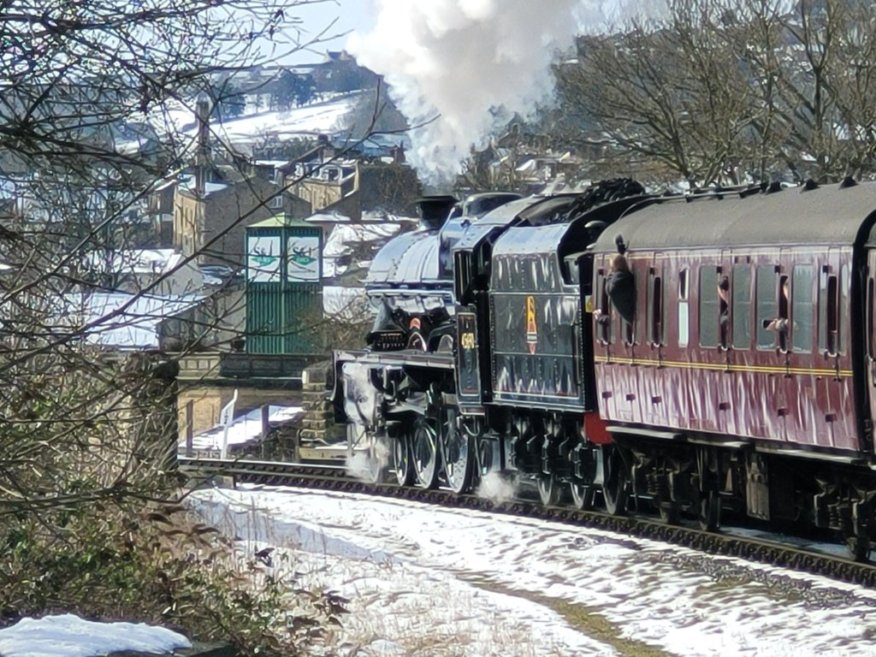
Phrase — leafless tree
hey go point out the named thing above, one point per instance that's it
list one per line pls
(812, 66)
(722, 91)
(666, 90)
(94, 103)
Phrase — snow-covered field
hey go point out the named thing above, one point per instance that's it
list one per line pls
(321, 116)
(425, 581)
(318, 117)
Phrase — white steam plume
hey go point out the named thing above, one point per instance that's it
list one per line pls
(458, 68)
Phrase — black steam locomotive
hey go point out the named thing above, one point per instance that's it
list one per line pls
(742, 376)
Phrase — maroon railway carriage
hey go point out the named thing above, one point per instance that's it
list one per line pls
(748, 376)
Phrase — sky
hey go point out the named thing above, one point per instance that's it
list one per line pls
(459, 70)
(347, 15)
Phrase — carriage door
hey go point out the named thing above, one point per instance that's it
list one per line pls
(870, 292)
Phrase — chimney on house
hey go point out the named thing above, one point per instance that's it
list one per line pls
(202, 156)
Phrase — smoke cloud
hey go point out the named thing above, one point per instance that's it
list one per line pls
(458, 69)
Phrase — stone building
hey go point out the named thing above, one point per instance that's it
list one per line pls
(210, 219)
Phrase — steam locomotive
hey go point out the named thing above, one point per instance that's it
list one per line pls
(744, 381)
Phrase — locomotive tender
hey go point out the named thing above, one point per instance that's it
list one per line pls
(746, 379)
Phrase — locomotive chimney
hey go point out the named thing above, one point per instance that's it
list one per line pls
(434, 210)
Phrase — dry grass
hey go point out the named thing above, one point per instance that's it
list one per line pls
(588, 620)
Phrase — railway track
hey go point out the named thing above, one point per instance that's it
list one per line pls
(336, 478)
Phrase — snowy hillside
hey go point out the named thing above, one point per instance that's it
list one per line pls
(326, 116)
(321, 117)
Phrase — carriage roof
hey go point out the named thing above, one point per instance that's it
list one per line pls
(830, 215)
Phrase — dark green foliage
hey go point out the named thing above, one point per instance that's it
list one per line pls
(158, 566)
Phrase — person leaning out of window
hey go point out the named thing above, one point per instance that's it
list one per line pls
(621, 291)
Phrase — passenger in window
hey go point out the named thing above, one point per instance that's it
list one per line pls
(780, 324)
(620, 286)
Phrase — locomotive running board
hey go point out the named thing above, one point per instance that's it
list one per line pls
(407, 357)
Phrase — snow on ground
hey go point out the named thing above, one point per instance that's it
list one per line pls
(243, 429)
(426, 581)
(70, 636)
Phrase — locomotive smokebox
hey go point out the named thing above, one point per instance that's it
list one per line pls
(434, 210)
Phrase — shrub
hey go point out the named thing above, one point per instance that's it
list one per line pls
(156, 565)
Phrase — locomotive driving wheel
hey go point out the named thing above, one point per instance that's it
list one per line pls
(424, 453)
(546, 479)
(614, 484)
(458, 452)
(402, 464)
(582, 495)
(548, 489)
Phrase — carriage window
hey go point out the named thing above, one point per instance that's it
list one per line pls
(682, 308)
(828, 320)
(784, 312)
(844, 283)
(655, 306)
(766, 305)
(708, 307)
(802, 315)
(871, 339)
(742, 307)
